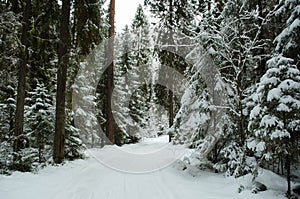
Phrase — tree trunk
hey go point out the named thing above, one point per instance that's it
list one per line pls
(171, 41)
(19, 118)
(288, 175)
(171, 108)
(11, 119)
(110, 74)
(63, 61)
(261, 36)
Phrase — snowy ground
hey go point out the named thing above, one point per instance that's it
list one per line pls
(100, 176)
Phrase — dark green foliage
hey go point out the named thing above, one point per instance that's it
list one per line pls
(87, 31)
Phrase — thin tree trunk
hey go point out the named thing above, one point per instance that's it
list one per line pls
(11, 119)
(19, 118)
(63, 61)
(288, 175)
(261, 37)
(171, 108)
(170, 94)
(110, 73)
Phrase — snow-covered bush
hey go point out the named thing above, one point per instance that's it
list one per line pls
(26, 159)
(74, 147)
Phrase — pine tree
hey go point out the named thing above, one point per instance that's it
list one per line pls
(288, 41)
(84, 102)
(122, 92)
(132, 91)
(43, 42)
(276, 100)
(8, 108)
(275, 118)
(174, 16)
(10, 26)
(87, 31)
(74, 146)
(40, 121)
(191, 122)
(140, 52)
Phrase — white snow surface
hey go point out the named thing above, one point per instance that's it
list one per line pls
(90, 179)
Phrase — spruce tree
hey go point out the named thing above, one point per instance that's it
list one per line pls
(173, 16)
(139, 104)
(288, 40)
(275, 118)
(275, 112)
(87, 25)
(132, 71)
(122, 91)
(43, 42)
(39, 122)
(10, 26)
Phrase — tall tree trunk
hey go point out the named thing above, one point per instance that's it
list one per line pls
(110, 74)
(63, 61)
(171, 57)
(171, 41)
(19, 119)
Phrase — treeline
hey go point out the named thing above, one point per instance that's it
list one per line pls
(42, 45)
(45, 46)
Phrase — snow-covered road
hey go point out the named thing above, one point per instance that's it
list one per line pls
(91, 179)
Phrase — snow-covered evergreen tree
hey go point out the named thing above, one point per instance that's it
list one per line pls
(275, 119)
(141, 51)
(122, 92)
(85, 114)
(156, 117)
(277, 104)
(7, 110)
(191, 122)
(173, 18)
(288, 41)
(132, 91)
(9, 31)
(74, 146)
(40, 121)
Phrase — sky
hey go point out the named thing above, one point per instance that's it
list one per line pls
(125, 11)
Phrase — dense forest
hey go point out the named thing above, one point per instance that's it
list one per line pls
(239, 107)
